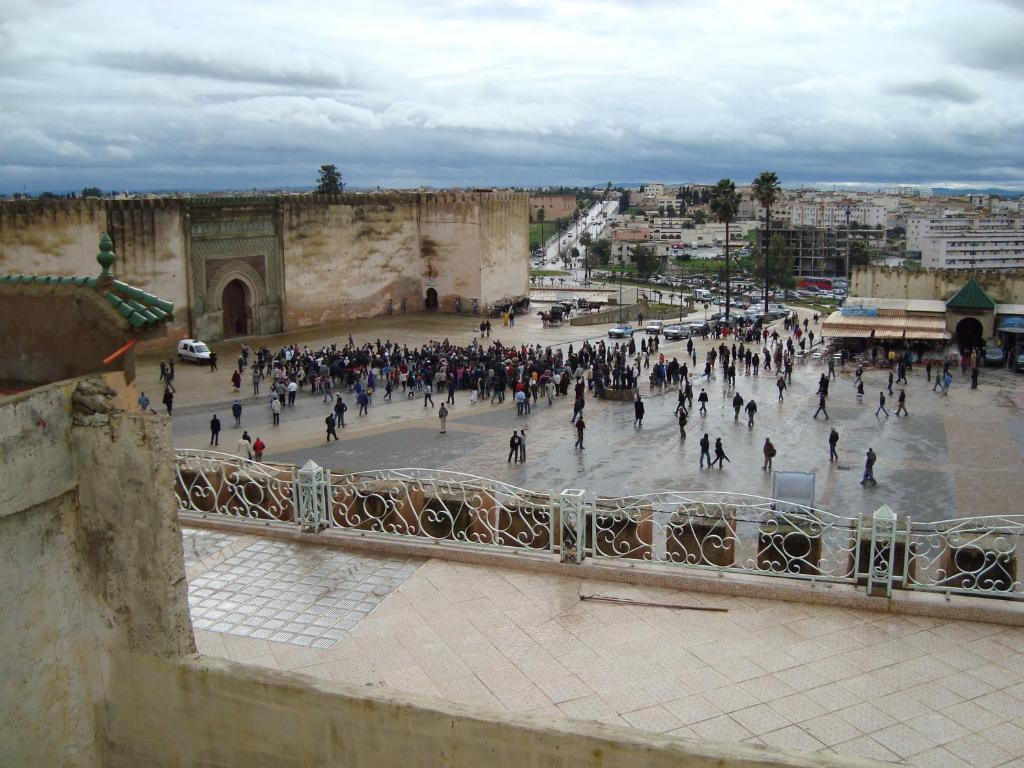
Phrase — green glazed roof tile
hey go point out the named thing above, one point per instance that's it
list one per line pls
(971, 296)
(139, 308)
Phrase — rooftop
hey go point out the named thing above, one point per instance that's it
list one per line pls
(897, 688)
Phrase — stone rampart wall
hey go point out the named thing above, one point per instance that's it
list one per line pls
(305, 260)
(1004, 286)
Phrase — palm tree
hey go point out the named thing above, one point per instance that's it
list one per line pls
(540, 220)
(766, 189)
(586, 241)
(724, 204)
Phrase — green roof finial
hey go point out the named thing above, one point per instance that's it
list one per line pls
(106, 255)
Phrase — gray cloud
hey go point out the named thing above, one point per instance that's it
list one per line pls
(474, 93)
(940, 89)
(177, 64)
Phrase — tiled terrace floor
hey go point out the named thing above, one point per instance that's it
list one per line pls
(906, 690)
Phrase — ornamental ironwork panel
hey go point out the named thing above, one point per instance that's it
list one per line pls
(213, 483)
(977, 556)
(725, 531)
(443, 506)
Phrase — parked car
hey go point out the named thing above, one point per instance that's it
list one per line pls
(677, 331)
(620, 331)
(1019, 365)
(994, 355)
(654, 326)
(194, 350)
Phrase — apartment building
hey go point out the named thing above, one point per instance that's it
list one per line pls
(992, 243)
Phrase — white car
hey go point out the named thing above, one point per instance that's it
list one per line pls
(677, 331)
(654, 326)
(194, 350)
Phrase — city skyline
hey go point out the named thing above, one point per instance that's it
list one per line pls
(465, 94)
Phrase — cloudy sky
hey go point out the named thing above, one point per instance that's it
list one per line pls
(225, 94)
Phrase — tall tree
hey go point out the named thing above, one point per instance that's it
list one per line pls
(624, 201)
(541, 215)
(328, 180)
(860, 255)
(586, 241)
(92, 192)
(603, 250)
(645, 260)
(766, 190)
(670, 211)
(724, 203)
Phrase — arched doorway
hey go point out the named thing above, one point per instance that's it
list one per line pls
(237, 309)
(430, 302)
(969, 334)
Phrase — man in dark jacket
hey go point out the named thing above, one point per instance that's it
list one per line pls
(214, 430)
(638, 412)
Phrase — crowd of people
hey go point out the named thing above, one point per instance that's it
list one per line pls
(487, 369)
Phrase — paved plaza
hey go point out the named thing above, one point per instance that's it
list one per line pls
(901, 689)
(954, 456)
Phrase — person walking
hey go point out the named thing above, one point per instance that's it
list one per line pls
(293, 390)
(869, 468)
(245, 446)
(901, 403)
(890, 382)
(513, 447)
(332, 427)
(719, 454)
(781, 384)
(751, 409)
(549, 390)
(580, 426)
(702, 398)
(881, 405)
(213, 362)
(427, 390)
(833, 441)
(275, 408)
(769, 454)
(821, 407)
(339, 411)
(255, 381)
(215, 430)
(169, 400)
(258, 447)
(364, 403)
(974, 377)
(638, 412)
(236, 411)
(860, 392)
(737, 404)
(451, 391)
(522, 446)
(442, 414)
(143, 402)
(577, 409)
(236, 380)
(947, 381)
(705, 451)
(682, 424)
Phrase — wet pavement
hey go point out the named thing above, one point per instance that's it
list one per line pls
(953, 456)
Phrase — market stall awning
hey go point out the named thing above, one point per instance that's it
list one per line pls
(886, 327)
(1011, 325)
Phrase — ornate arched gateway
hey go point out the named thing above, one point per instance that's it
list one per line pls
(236, 273)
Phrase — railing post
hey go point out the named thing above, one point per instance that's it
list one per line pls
(573, 522)
(312, 513)
(882, 555)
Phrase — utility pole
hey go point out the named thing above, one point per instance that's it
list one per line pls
(847, 272)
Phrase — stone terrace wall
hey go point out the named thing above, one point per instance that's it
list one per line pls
(90, 560)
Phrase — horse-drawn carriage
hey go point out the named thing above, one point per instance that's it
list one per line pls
(553, 316)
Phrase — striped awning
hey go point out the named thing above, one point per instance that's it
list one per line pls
(904, 326)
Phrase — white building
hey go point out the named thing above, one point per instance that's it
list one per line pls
(995, 243)
(833, 215)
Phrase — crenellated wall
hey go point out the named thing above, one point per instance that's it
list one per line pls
(1004, 286)
(303, 261)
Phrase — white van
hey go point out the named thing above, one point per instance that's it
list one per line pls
(702, 294)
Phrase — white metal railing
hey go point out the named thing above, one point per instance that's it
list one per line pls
(724, 532)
